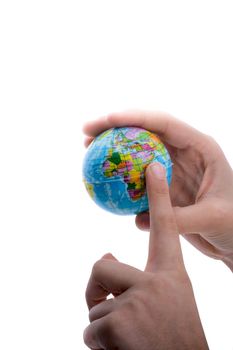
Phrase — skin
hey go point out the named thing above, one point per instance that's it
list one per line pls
(151, 309)
(202, 185)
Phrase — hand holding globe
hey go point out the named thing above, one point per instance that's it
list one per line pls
(202, 180)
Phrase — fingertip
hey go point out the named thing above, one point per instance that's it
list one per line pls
(86, 335)
(157, 169)
(156, 182)
(142, 221)
(86, 127)
(95, 127)
(88, 140)
(109, 256)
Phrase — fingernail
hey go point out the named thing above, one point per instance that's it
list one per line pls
(158, 170)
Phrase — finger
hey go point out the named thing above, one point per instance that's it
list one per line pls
(172, 130)
(109, 256)
(142, 221)
(88, 140)
(97, 335)
(93, 128)
(102, 309)
(203, 217)
(202, 245)
(109, 277)
(90, 335)
(164, 244)
(190, 219)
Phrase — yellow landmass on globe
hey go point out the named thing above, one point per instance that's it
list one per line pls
(89, 188)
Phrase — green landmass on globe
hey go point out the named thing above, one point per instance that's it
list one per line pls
(114, 168)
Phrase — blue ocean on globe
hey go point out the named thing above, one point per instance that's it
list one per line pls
(114, 168)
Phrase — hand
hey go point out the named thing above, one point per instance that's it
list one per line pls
(202, 184)
(154, 309)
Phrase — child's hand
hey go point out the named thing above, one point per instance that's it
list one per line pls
(154, 309)
(202, 184)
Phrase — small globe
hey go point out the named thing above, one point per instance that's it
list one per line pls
(114, 168)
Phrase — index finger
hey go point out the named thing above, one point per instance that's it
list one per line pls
(174, 131)
(164, 245)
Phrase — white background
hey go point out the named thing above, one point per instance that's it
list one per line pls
(63, 63)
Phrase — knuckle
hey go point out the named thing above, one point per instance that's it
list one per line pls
(96, 272)
(140, 297)
(89, 336)
(89, 296)
(162, 188)
(97, 267)
(212, 145)
(92, 313)
(209, 138)
(108, 325)
(220, 212)
(86, 336)
(131, 304)
(154, 282)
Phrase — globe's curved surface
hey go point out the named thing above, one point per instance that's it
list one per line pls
(114, 168)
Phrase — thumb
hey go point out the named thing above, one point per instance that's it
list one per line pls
(204, 217)
(164, 245)
(109, 256)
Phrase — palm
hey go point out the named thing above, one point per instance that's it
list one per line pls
(193, 183)
(188, 172)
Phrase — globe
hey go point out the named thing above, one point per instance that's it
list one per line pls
(114, 168)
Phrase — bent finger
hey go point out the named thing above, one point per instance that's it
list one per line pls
(90, 335)
(102, 309)
(173, 131)
(142, 221)
(88, 140)
(204, 217)
(109, 277)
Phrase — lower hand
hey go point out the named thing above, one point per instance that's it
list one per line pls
(151, 309)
